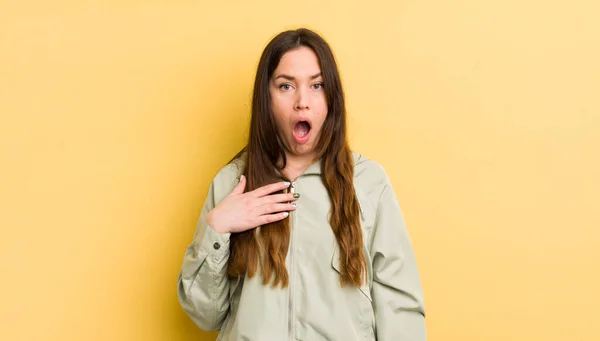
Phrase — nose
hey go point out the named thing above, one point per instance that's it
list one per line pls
(301, 100)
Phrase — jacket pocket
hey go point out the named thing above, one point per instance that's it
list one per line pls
(364, 304)
(335, 263)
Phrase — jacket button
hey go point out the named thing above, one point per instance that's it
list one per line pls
(217, 246)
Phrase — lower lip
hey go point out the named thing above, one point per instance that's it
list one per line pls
(302, 139)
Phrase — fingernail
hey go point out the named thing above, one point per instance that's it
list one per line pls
(287, 183)
(294, 205)
(296, 195)
(241, 178)
(285, 214)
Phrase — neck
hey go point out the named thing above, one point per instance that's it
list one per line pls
(296, 164)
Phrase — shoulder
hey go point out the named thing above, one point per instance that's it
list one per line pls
(370, 182)
(226, 178)
(369, 173)
(232, 170)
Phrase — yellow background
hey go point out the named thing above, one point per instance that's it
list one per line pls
(115, 115)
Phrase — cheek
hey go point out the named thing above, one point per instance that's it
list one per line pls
(279, 113)
(321, 110)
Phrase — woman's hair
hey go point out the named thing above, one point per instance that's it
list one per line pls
(264, 158)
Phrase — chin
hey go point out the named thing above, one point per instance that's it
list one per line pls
(304, 150)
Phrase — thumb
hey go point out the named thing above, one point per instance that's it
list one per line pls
(239, 188)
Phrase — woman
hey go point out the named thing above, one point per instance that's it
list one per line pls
(300, 238)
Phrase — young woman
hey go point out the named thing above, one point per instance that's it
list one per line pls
(301, 238)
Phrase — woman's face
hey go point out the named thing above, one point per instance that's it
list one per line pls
(298, 100)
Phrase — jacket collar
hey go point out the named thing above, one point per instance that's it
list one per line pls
(315, 167)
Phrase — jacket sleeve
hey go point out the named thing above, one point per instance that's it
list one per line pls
(203, 286)
(396, 288)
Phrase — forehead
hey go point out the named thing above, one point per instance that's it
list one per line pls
(300, 62)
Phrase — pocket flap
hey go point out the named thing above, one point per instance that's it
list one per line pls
(335, 263)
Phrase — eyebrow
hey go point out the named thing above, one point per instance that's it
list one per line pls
(290, 78)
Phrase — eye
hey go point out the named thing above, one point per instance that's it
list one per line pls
(285, 87)
(318, 86)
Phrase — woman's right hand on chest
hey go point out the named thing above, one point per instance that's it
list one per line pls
(241, 211)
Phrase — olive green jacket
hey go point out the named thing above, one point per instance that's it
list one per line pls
(387, 307)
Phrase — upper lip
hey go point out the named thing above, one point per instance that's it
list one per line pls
(302, 119)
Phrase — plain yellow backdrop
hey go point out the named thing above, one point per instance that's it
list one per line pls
(115, 115)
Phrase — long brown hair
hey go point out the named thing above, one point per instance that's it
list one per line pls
(267, 245)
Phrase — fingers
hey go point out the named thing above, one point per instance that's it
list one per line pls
(270, 218)
(278, 198)
(273, 208)
(239, 188)
(270, 188)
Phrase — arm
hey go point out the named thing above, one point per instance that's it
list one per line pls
(203, 287)
(396, 290)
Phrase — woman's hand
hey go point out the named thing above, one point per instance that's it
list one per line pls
(241, 211)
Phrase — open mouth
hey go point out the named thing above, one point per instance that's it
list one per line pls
(302, 128)
(301, 131)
